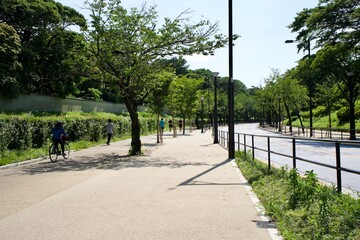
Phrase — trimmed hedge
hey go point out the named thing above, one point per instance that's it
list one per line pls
(24, 131)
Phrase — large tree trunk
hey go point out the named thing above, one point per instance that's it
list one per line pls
(173, 124)
(158, 128)
(135, 129)
(184, 116)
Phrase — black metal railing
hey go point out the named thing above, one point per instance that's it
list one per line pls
(241, 144)
(323, 133)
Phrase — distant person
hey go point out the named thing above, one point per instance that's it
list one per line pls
(109, 131)
(58, 136)
(162, 125)
(170, 125)
(180, 125)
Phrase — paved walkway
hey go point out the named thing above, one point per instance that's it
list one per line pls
(184, 188)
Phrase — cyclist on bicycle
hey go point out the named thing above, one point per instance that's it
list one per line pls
(58, 133)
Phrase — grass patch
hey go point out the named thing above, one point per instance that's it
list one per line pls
(322, 122)
(302, 208)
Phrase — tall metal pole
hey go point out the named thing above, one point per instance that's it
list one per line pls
(202, 114)
(231, 87)
(279, 115)
(208, 98)
(311, 92)
(216, 139)
(263, 115)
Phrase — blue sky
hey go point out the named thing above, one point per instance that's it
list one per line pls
(262, 25)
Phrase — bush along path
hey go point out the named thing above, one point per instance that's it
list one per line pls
(301, 207)
(27, 135)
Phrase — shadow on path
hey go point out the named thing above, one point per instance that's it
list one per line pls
(191, 181)
(106, 162)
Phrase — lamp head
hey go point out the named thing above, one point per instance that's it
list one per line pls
(289, 41)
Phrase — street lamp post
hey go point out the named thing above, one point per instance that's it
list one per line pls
(310, 88)
(208, 103)
(263, 115)
(352, 106)
(216, 139)
(231, 88)
(202, 114)
(279, 115)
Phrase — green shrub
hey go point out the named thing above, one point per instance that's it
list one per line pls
(32, 130)
(301, 207)
(320, 111)
(343, 114)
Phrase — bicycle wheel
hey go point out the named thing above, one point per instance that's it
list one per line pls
(53, 153)
(67, 150)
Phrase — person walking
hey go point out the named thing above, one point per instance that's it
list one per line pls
(109, 131)
(170, 125)
(162, 126)
(180, 125)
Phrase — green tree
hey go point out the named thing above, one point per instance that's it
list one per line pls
(184, 96)
(10, 48)
(334, 24)
(158, 98)
(51, 56)
(177, 63)
(271, 95)
(327, 94)
(292, 95)
(128, 45)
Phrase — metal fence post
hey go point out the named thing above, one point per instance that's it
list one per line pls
(245, 144)
(268, 143)
(294, 152)
(338, 166)
(253, 147)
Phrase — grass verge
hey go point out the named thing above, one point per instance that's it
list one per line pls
(301, 207)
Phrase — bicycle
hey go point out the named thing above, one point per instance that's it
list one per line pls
(54, 151)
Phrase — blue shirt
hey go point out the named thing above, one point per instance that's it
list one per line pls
(162, 123)
(57, 132)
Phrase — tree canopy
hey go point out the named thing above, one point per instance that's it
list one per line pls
(51, 55)
(334, 26)
(129, 46)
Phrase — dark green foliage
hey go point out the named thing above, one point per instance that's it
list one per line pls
(9, 87)
(301, 207)
(9, 64)
(343, 114)
(37, 42)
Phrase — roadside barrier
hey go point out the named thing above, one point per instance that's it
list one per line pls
(245, 142)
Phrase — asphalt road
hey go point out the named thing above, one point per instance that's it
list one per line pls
(322, 152)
